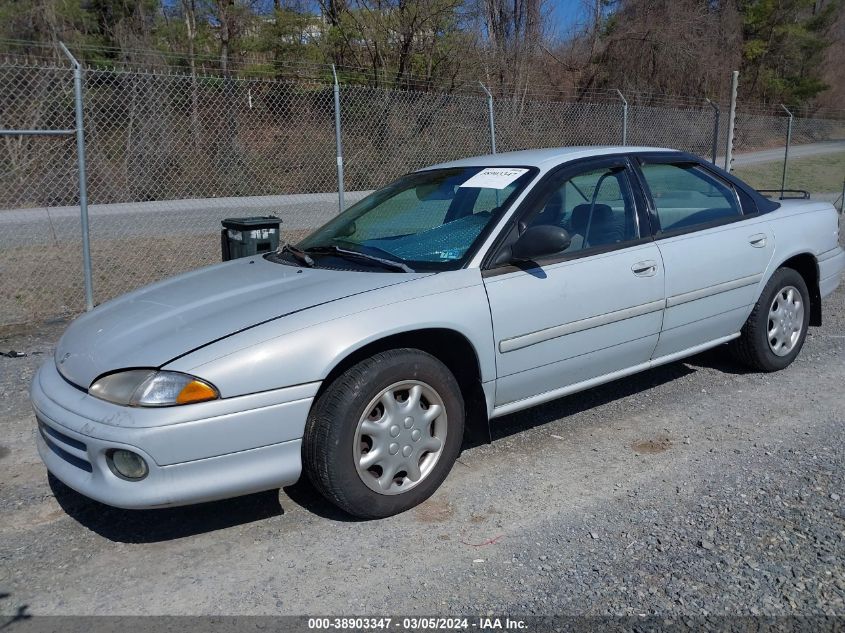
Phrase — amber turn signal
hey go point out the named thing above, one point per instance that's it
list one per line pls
(196, 391)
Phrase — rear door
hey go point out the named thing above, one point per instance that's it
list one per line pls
(591, 310)
(714, 247)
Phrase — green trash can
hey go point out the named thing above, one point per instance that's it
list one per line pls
(242, 237)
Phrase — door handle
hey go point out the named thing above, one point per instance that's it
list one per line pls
(647, 268)
(758, 240)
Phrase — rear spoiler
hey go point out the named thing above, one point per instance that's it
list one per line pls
(785, 194)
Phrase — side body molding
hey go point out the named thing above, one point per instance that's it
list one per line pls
(532, 338)
(709, 291)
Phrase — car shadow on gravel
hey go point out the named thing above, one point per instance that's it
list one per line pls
(583, 400)
(304, 494)
(165, 524)
(719, 359)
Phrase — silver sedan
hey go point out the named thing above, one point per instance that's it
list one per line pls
(460, 293)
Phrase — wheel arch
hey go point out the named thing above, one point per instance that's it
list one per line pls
(806, 265)
(450, 347)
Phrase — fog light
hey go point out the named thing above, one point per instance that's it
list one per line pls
(127, 464)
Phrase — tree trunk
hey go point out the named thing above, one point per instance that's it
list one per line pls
(230, 162)
(225, 17)
(190, 10)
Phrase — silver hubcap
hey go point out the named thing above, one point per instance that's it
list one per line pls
(786, 320)
(400, 437)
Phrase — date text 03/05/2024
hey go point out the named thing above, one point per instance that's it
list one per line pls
(418, 623)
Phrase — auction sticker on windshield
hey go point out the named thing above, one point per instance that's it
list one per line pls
(494, 177)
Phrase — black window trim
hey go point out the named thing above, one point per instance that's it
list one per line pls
(543, 188)
(682, 158)
(482, 237)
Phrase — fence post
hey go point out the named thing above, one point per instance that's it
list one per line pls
(338, 142)
(716, 115)
(729, 149)
(624, 117)
(83, 179)
(491, 118)
(786, 149)
(842, 199)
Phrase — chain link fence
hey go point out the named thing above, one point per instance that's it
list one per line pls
(170, 155)
(40, 236)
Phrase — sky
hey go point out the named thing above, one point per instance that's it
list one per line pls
(567, 15)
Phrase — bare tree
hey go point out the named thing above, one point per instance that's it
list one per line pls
(514, 32)
(666, 46)
(225, 10)
(189, 9)
(334, 12)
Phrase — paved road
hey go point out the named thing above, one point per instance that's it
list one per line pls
(203, 216)
(796, 151)
(165, 217)
(693, 488)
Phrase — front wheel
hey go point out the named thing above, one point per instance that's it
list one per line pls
(384, 435)
(775, 331)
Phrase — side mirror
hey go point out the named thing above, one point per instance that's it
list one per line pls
(540, 241)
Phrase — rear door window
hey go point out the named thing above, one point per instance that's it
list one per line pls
(685, 196)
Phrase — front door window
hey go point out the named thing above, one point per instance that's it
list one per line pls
(596, 207)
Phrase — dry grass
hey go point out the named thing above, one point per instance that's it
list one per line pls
(817, 174)
(53, 284)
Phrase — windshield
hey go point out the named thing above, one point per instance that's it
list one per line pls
(428, 220)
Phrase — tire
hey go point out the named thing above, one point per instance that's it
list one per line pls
(396, 406)
(757, 347)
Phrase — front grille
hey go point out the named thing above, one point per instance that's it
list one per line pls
(61, 437)
(58, 442)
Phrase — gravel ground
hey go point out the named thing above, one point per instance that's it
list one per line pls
(696, 488)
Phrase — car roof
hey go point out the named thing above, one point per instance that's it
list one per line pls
(546, 158)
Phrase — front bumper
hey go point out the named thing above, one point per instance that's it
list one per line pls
(195, 453)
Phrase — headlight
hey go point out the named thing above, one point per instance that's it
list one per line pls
(152, 388)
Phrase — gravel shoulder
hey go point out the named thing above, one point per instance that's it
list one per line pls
(695, 488)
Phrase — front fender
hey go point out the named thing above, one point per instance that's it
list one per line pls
(308, 345)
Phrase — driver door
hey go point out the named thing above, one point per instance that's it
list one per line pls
(590, 311)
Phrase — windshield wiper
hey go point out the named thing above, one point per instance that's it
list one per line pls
(298, 254)
(342, 252)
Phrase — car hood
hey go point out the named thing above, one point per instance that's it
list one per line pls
(153, 325)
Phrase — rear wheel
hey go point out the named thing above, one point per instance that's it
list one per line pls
(383, 435)
(775, 331)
